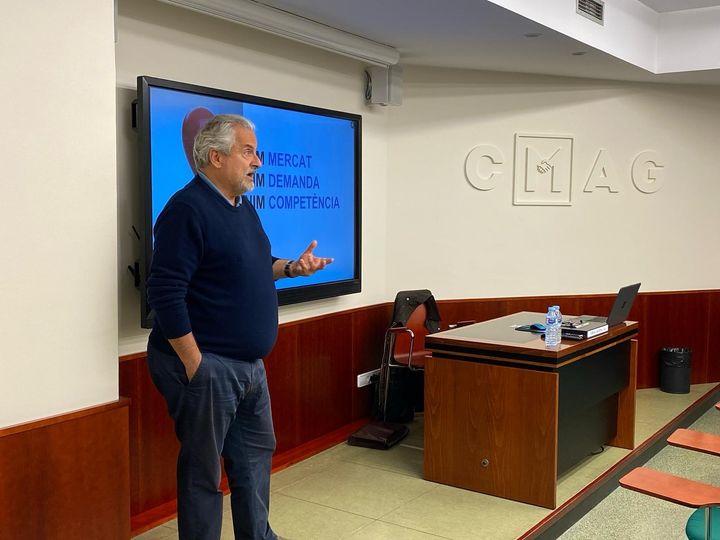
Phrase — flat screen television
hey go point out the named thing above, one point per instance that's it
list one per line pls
(308, 187)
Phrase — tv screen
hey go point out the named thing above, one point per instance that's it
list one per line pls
(308, 187)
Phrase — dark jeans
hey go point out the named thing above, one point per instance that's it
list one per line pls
(224, 411)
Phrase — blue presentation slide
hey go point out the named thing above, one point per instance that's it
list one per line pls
(304, 191)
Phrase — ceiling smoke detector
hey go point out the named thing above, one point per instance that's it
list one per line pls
(591, 9)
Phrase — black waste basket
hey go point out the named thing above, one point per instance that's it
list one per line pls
(675, 370)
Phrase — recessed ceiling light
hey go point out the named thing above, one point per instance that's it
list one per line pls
(579, 53)
(533, 34)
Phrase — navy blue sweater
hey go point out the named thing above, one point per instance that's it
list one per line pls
(211, 274)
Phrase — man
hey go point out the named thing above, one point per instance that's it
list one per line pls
(211, 286)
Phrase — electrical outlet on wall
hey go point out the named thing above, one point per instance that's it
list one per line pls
(364, 378)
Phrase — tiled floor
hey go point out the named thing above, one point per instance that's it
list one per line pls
(626, 514)
(350, 492)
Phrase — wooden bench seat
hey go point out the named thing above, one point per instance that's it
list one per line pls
(671, 488)
(696, 440)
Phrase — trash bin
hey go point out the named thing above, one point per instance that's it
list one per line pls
(675, 370)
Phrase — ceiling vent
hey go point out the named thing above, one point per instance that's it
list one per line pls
(592, 9)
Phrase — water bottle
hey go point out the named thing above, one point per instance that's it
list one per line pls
(552, 328)
(559, 319)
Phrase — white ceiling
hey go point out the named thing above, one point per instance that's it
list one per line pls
(666, 6)
(476, 34)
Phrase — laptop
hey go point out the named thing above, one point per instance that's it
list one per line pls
(620, 310)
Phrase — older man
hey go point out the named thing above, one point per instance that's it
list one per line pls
(211, 286)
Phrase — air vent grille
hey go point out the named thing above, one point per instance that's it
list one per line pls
(592, 9)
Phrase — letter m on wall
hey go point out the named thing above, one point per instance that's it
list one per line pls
(543, 169)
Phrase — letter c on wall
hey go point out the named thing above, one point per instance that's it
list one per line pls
(647, 172)
(481, 166)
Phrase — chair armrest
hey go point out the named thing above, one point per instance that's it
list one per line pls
(671, 488)
(696, 440)
(405, 330)
(401, 330)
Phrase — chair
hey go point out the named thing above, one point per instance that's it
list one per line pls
(705, 521)
(415, 315)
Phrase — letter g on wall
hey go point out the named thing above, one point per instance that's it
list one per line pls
(647, 172)
(482, 166)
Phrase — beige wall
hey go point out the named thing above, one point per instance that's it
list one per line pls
(476, 244)
(172, 43)
(423, 225)
(461, 242)
(58, 221)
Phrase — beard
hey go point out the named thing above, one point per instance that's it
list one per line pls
(245, 184)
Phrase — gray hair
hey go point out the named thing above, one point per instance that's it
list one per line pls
(218, 134)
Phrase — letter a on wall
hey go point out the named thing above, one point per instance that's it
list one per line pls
(602, 174)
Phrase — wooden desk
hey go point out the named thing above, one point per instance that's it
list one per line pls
(504, 415)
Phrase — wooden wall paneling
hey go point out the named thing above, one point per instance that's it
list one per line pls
(599, 305)
(128, 386)
(154, 451)
(159, 448)
(540, 304)
(513, 305)
(283, 372)
(568, 305)
(324, 353)
(676, 320)
(713, 349)
(453, 311)
(368, 334)
(67, 477)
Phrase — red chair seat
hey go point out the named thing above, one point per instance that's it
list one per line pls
(418, 358)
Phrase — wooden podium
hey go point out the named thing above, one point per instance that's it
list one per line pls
(504, 415)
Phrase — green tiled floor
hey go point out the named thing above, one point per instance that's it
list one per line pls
(349, 492)
(626, 514)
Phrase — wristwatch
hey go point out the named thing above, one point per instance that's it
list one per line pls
(286, 269)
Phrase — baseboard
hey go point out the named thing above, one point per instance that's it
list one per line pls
(165, 512)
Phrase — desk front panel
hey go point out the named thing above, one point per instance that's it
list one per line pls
(507, 426)
(492, 429)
